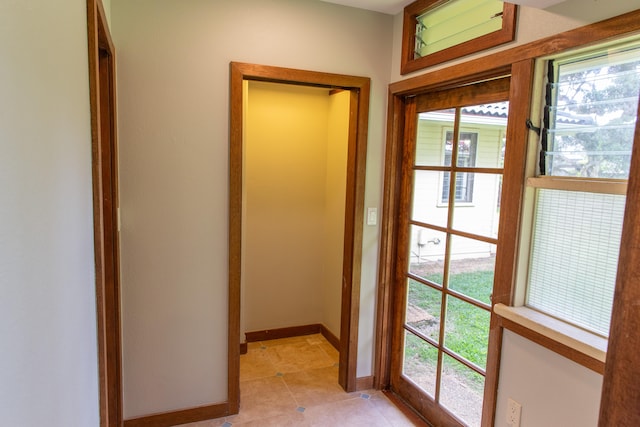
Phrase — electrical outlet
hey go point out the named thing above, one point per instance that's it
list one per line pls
(513, 413)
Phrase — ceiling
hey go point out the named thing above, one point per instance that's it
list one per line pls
(390, 7)
(393, 7)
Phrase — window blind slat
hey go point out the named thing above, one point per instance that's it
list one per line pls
(575, 256)
(591, 114)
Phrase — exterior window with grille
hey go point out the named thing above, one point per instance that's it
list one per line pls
(467, 148)
(580, 192)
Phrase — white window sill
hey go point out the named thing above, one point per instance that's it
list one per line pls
(578, 339)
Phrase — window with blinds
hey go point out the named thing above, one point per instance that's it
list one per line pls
(574, 257)
(587, 137)
(590, 114)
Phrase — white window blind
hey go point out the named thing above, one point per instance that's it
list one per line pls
(574, 256)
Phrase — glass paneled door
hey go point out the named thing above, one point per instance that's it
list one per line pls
(447, 244)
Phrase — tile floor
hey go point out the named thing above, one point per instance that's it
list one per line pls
(294, 382)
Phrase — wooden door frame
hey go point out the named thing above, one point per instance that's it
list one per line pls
(105, 215)
(400, 131)
(516, 61)
(354, 209)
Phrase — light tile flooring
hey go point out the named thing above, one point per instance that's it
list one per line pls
(294, 382)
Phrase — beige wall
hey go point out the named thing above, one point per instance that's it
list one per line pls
(173, 103)
(173, 58)
(107, 10)
(292, 182)
(48, 357)
(553, 391)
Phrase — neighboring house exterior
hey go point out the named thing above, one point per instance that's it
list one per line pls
(481, 145)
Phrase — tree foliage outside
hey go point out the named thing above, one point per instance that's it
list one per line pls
(593, 121)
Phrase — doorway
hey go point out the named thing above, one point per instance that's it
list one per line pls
(105, 208)
(358, 89)
(295, 158)
(447, 241)
(448, 238)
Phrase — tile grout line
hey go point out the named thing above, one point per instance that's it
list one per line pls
(291, 393)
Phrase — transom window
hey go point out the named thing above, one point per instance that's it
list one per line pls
(436, 31)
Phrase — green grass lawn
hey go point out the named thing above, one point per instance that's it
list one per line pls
(467, 326)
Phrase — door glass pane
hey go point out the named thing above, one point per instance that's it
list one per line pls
(487, 123)
(467, 148)
(426, 258)
(467, 330)
(471, 268)
(477, 205)
(427, 203)
(423, 309)
(462, 391)
(420, 363)
(455, 190)
(430, 136)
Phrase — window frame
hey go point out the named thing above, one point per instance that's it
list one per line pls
(468, 176)
(411, 12)
(584, 347)
(519, 63)
(586, 185)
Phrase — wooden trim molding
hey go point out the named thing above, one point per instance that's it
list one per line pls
(553, 345)
(589, 344)
(173, 418)
(353, 229)
(521, 87)
(102, 96)
(599, 185)
(386, 272)
(274, 334)
(408, 64)
(364, 383)
(244, 348)
(354, 211)
(621, 384)
(329, 336)
(624, 25)
(407, 410)
(235, 237)
(292, 331)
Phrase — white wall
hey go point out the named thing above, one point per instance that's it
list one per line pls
(48, 360)
(173, 62)
(553, 391)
